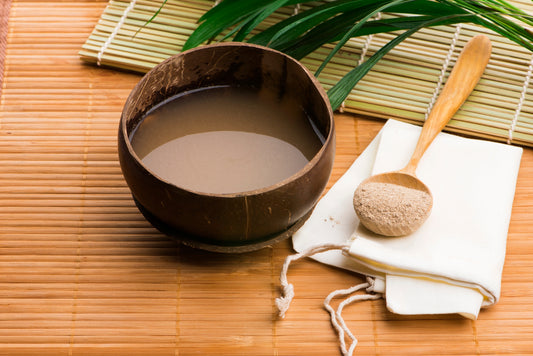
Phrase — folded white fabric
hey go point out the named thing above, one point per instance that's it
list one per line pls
(454, 262)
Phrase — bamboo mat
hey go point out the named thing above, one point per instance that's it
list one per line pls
(4, 16)
(82, 273)
(402, 85)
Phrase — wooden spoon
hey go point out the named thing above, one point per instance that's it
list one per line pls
(397, 203)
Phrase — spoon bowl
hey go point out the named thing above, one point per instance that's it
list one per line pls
(383, 214)
(397, 203)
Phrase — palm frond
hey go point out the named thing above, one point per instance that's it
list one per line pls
(336, 21)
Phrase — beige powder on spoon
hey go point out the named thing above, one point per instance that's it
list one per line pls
(392, 205)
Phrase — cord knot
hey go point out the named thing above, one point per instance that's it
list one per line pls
(285, 300)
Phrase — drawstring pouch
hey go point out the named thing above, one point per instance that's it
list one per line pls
(452, 264)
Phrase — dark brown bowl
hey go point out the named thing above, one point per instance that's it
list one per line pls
(228, 222)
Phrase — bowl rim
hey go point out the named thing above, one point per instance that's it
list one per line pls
(301, 172)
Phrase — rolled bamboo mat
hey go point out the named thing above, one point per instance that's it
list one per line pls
(82, 273)
(401, 86)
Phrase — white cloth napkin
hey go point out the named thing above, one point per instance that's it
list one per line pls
(454, 262)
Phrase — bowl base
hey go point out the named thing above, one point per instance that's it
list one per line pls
(219, 246)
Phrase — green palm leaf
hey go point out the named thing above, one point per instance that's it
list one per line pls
(336, 21)
(340, 91)
(350, 33)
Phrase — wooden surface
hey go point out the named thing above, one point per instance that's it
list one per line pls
(82, 273)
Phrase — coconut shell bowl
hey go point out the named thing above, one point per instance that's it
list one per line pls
(228, 222)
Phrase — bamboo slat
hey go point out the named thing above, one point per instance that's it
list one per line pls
(4, 16)
(401, 86)
(82, 272)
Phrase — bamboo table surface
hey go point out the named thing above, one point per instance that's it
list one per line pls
(82, 272)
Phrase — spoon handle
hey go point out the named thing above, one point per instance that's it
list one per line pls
(463, 78)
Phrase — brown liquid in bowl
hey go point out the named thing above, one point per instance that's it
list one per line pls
(226, 139)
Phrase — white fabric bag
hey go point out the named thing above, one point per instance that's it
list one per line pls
(454, 262)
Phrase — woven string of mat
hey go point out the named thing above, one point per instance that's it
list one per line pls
(402, 85)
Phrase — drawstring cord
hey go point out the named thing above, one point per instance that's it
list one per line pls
(287, 295)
